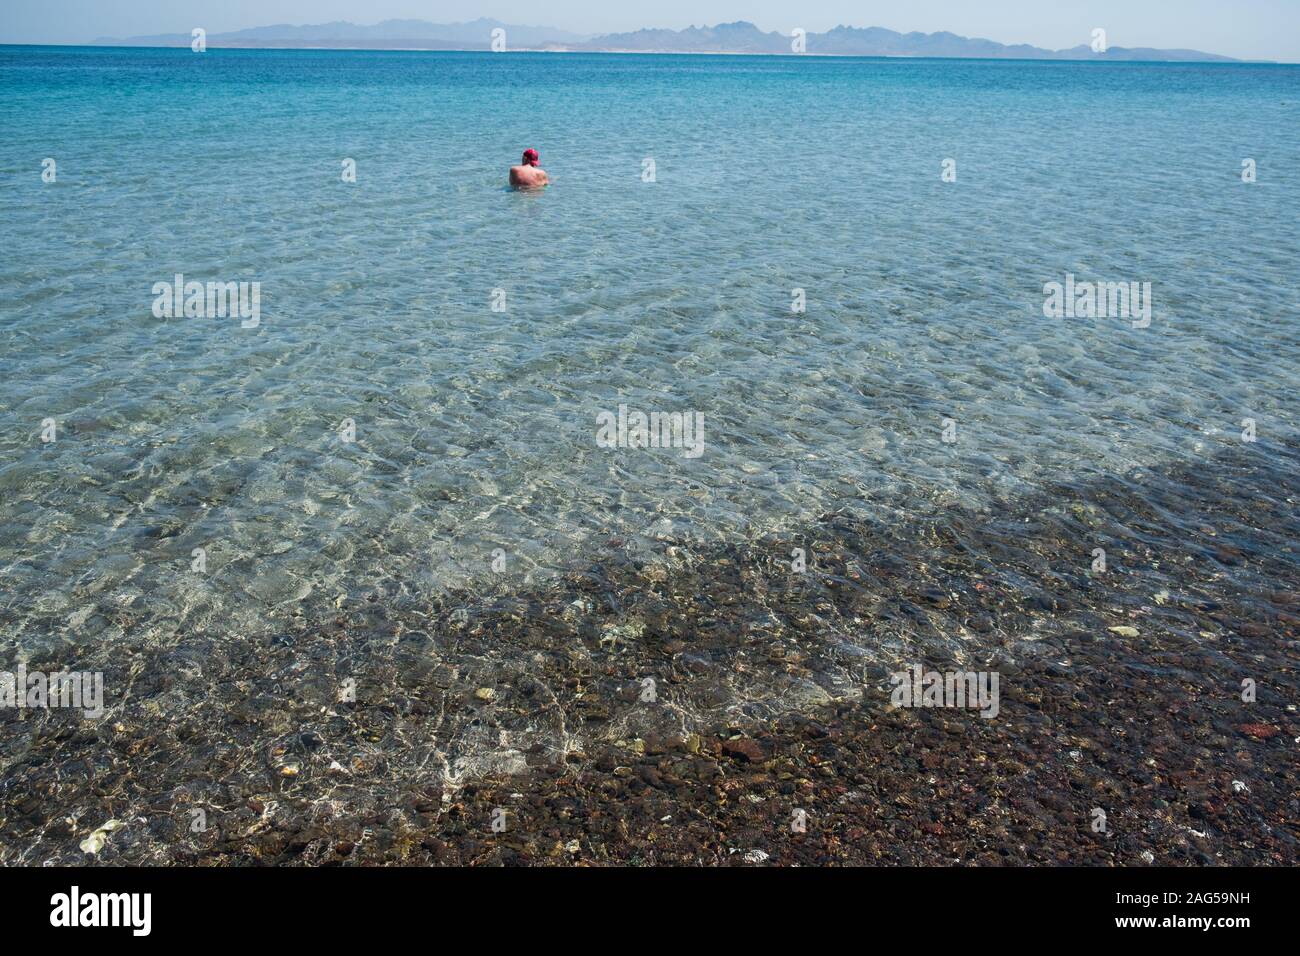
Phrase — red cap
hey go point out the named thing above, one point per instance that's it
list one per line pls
(530, 157)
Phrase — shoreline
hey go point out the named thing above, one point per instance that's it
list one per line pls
(531, 703)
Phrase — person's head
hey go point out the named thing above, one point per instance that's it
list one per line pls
(530, 157)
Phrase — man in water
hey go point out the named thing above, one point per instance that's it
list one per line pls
(528, 175)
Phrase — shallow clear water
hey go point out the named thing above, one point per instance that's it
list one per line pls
(476, 429)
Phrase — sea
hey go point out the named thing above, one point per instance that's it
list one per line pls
(761, 294)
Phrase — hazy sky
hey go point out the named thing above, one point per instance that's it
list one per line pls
(1254, 29)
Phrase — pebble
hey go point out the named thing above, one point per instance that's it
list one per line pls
(1259, 731)
(95, 842)
(742, 748)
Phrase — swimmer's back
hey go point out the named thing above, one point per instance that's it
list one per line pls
(527, 177)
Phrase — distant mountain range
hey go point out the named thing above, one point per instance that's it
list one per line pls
(739, 37)
(389, 35)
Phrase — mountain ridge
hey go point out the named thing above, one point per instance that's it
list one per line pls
(739, 36)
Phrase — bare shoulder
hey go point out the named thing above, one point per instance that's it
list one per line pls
(528, 177)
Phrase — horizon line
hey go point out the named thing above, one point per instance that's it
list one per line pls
(581, 38)
(1219, 59)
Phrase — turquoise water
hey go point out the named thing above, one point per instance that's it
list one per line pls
(476, 429)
